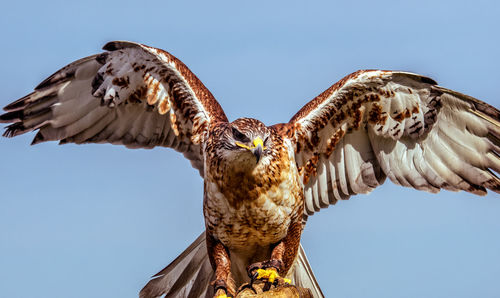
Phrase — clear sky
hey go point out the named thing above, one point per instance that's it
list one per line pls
(99, 220)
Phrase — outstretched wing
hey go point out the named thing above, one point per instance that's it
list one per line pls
(376, 124)
(132, 95)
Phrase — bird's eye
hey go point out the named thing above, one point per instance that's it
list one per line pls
(239, 136)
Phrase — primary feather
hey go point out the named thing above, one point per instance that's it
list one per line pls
(133, 95)
(376, 124)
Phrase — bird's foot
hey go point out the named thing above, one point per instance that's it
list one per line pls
(221, 289)
(267, 271)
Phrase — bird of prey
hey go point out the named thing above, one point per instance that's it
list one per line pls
(262, 182)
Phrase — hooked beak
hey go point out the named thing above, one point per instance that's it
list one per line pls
(257, 151)
(258, 148)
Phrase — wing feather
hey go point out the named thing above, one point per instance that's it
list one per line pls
(335, 195)
(341, 171)
(323, 184)
(133, 95)
(376, 124)
(309, 200)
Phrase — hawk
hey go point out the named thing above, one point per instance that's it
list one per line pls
(262, 182)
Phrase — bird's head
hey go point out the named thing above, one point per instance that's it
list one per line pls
(245, 142)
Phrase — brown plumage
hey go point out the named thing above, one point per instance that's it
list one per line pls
(261, 182)
(250, 206)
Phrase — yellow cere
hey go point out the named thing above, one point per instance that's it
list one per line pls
(258, 141)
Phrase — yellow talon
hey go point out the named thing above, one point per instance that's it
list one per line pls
(270, 274)
(222, 296)
(287, 281)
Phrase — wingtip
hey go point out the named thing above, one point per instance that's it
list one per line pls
(10, 117)
(16, 105)
(479, 105)
(14, 129)
(7, 133)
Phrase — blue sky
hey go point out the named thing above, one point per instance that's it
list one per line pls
(98, 220)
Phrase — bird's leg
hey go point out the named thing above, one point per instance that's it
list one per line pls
(219, 258)
(282, 257)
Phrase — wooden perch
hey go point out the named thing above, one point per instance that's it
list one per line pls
(282, 291)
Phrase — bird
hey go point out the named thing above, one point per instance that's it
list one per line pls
(261, 183)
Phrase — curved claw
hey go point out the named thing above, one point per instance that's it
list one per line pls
(252, 270)
(267, 271)
(220, 289)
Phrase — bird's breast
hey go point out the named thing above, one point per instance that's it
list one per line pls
(244, 210)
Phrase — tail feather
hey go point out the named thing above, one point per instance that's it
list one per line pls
(303, 276)
(190, 274)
